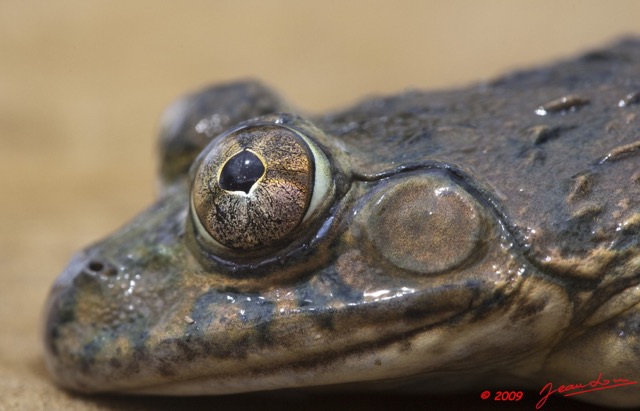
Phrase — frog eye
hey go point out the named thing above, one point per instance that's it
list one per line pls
(256, 185)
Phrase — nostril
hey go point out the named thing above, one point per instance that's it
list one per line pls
(95, 266)
(98, 267)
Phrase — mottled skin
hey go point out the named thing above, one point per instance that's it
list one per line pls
(481, 237)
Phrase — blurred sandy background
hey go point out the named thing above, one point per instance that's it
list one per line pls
(82, 85)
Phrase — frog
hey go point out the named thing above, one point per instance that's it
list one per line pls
(442, 241)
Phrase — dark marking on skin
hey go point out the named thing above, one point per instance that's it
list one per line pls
(140, 358)
(405, 345)
(342, 289)
(527, 309)
(264, 333)
(187, 350)
(486, 307)
(173, 352)
(621, 152)
(325, 321)
(89, 352)
(562, 105)
(166, 368)
(311, 298)
(229, 308)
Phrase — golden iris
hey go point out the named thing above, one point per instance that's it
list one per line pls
(256, 185)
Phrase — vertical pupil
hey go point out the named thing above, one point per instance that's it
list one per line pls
(241, 172)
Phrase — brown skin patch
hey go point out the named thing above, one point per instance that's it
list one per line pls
(582, 187)
(355, 270)
(592, 266)
(621, 152)
(587, 211)
(542, 133)
(631, 223)
(571, 102)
